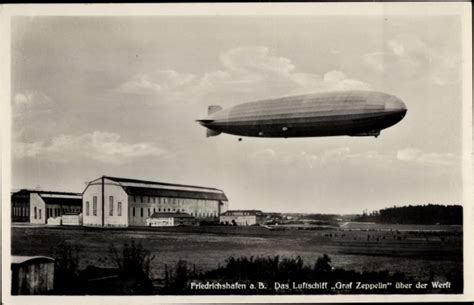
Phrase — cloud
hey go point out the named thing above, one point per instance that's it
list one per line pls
(30, 102)
(416, 58)
(101, 146)
(344, 156)
(264, 154)
(418, 156)
(157, 82)
(245, 59)
(396, 47)
(248, 73)
(308, 159)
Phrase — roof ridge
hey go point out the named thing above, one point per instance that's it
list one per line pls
(119, 179)
(48, 192)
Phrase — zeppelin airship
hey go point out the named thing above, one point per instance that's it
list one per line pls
(339, 113)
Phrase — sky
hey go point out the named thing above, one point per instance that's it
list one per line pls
(119, 96)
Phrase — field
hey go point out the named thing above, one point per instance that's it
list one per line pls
(417, 251)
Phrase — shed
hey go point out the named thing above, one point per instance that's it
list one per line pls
(72, 219)
(32, 275)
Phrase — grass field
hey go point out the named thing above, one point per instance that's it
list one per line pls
(416, 252)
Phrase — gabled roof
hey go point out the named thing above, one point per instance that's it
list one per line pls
(136, 187)
(46, 193)
(49, 197)
(167, 215)
(19, 260)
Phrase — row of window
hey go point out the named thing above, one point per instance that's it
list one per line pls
(143, 199)
(54, 212)
(50, 212)
(197, 214)
(21, 211)
(111, 207)
(159, 200)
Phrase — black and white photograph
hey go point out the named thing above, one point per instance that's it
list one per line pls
(237, 150)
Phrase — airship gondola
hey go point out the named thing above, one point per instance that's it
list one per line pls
(339, 113)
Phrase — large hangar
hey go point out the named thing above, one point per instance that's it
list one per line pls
(35, 206)
(122, 202)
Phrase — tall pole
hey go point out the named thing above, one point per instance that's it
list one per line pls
(103, 198)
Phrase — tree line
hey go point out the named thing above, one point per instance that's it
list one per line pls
(416, 214)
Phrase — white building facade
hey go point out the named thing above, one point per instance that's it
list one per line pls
(122, 202)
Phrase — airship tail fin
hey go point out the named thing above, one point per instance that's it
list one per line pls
(212, 133)
(213, 108)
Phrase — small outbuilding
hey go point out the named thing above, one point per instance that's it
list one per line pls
(242, 217)
(32, 275)
(170, 219)
(72, 219)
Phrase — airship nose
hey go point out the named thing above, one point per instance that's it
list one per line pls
(395, 104)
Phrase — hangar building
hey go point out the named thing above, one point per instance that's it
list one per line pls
(36, 206)
(121, 202)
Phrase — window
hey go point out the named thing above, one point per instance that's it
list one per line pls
(141, 212)
(111, 205)
(149, 199)
(87, 208)
(133, 212)
(39, 213)
(94, 205)
(36, 213)
(119, 208)
(148, 212)
(141, 199)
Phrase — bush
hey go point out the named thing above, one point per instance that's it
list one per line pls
(134, 259)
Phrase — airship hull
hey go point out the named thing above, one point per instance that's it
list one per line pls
(351, 113)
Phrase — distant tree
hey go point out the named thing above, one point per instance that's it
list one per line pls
(415, 214)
